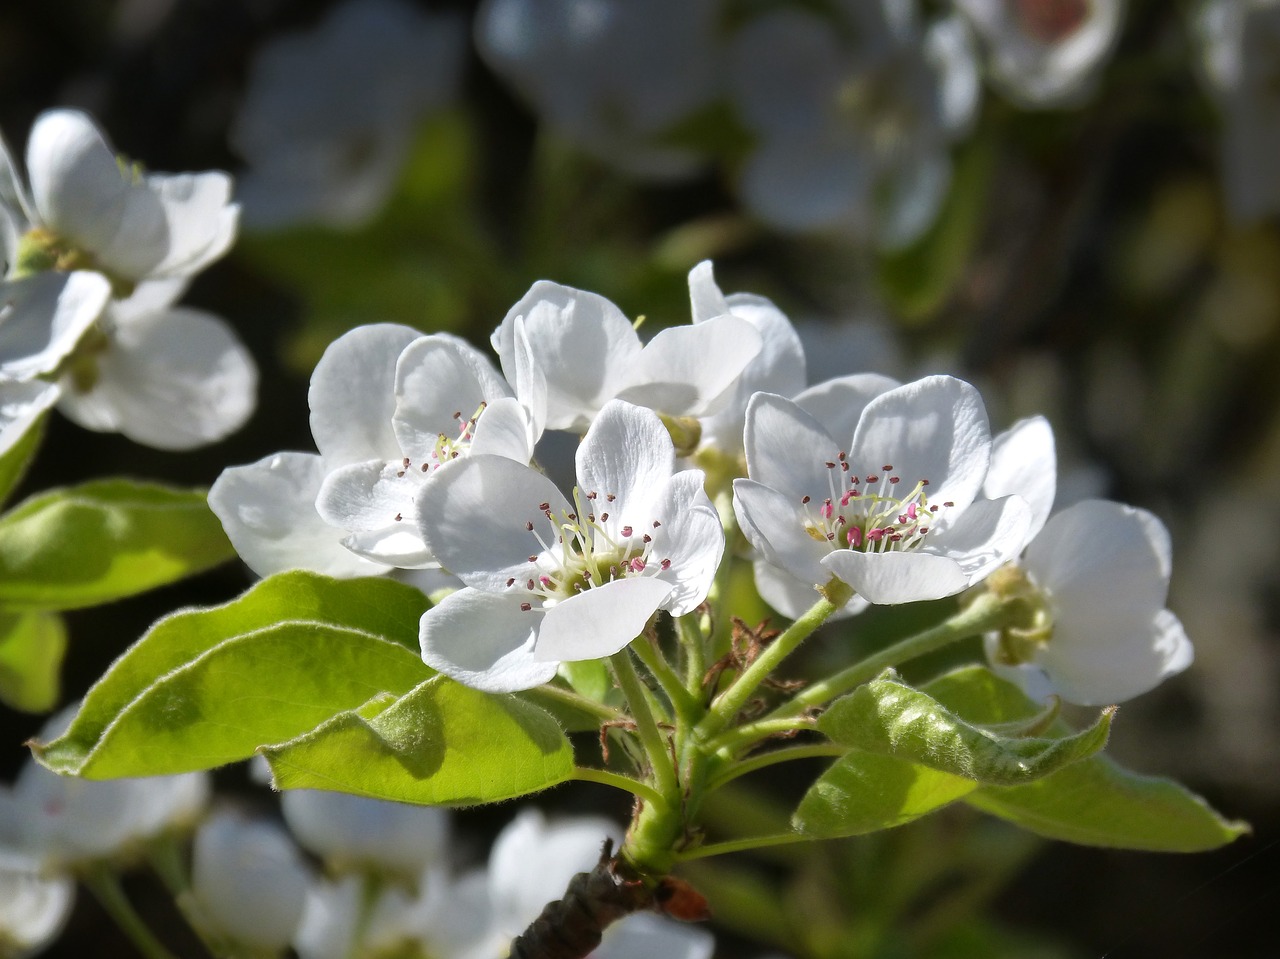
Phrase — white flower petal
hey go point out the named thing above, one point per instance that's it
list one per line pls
(352, 394)
(352, 831)
(689, 370)
(988, 534)
(690, 536)
(1101, 559)
(268, 511)
(1130, 658)
(374, 502)
(775, 525)
(793, 597)
(21, 406)
(892, 577)
(787, 449)
(441, 382)
(935, 429)
(505, 429)
(809, 183)
(473, 514)
(837, 404)
(599, 621)
(200, 219)
(43, 317)
(644, 935)
(705, 299)
(485, 641)
(173, 380)
(1024, 461)
(580, 341)
(33, 906)
(627, 453)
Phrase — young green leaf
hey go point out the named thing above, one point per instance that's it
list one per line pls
(103, 540)
(441, 744)
(864, 792)
(286, 655)
(890, 718)
(1098, 803)
(31, 650)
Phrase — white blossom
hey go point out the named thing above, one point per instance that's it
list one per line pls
(1102, 570)
(92, 211)
(331, 113)
(33, 907)
(856, 138)
(587, 353)
(548, 580)
(248, 881)
(1046, 53)
(896, 514)
(166, 376)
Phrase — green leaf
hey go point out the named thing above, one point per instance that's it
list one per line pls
(1098, 803)
(441, 744)
(104, 540)
(31, 650)
(888, 717)
(590, 678)
(208, 686)
(864, 792)
(16, 459)
(982, 697)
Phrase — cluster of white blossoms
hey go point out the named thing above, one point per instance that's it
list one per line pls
(96, 254)
(391, 885)
(897, 490)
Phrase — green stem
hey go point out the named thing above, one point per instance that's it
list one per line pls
(618, 781)
(735, 697)
(686, 707)
(764, 760)
(986, 612)
(695, 654)
(655, 744)
(105, 886)
(567, 697)
(738, 845)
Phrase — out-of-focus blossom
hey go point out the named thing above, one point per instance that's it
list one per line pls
(33, 907)
(586, 353)
(853, 114)
(611, 76)
(1101, 570)
(1240, 55)
(63, 820)
(897, 514)
(1046, 53)
(166, 376)
(330, 114)
(354, 832)
(548, 581)
(248, 881)
(87, 210)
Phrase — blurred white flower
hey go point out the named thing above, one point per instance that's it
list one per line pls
(1102, 570)
(330, 114)
(1239, 43)
(354, 832)
(248, 881)
(611, 76)
(33, 907)
(166, 376)
(1046, 53)
(856, 139)
(43, 317)
(64, 820)
(88, 210)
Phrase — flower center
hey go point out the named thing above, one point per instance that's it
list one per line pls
(581, 549)
(871, 513)
(447, 448)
